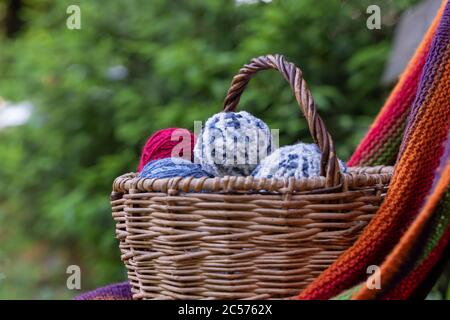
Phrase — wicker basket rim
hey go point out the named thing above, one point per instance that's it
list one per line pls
(356, 177)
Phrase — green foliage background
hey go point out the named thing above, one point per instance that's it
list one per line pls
(56, 172)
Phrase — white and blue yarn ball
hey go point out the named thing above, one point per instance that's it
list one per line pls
(301, 160)
(172, 167)
(232, 143)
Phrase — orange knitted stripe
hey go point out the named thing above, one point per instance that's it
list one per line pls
(407, 243)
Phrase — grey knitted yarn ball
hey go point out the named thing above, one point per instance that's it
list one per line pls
(172, 167)
(300, 161)
(232, 143)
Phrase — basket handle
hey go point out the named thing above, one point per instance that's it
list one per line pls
(329, 164)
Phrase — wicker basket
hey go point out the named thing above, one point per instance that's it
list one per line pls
(242, 237)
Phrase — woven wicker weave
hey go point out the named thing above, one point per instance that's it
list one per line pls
(242, 237)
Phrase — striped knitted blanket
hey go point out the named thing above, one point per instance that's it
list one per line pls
(411, 231)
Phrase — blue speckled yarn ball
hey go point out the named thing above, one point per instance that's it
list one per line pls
(232, 143)
(172, 167)
(300, 161)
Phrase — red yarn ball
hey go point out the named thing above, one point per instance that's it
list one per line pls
(162, 145)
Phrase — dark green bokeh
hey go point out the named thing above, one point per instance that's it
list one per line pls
(56, 172)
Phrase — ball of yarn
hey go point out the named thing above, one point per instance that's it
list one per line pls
(166, 143)
(232, 143)
(172, 167)
(300, 161)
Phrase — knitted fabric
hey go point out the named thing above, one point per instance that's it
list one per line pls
(232, 144)
(420, 247)
(166, 143)
(405, 288)
(300, 161)
(397, 261)
(409, 196)
(117, 291)
(172, 167)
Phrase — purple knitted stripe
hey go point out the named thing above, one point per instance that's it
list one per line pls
(435, 65)
(117, 291)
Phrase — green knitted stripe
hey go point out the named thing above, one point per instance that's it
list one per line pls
(387, 153)
(347, 294)
(438, 227)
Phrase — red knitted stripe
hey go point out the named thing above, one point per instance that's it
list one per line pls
(162, 145)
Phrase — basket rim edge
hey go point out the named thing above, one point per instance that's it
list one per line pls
(357, 177)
